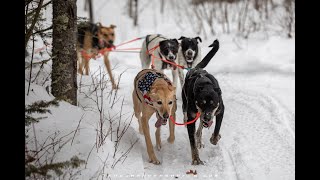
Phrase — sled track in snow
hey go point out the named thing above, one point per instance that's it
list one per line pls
(257, 140)
(262, 135)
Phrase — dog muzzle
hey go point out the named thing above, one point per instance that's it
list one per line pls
(105, 44)
(189, 59)
(207, 120)
(160, 121)
(207, 124)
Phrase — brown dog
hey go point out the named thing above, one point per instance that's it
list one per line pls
(91, 39)
(154, 93)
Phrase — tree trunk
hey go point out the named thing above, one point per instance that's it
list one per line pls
(162, 7)
(64, 62)
(136, 11)
(130, 11)
(90, 11)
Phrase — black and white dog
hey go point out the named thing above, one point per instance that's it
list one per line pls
(201, 93)
(168, 49)
(189, 54)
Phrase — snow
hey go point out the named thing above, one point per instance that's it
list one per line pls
(257, 78)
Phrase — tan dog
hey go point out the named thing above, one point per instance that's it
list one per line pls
(154, 93)
(91, 39)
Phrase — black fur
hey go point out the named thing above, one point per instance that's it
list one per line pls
(199, 86)
(169, 45)
(190, 43)
(166, 46)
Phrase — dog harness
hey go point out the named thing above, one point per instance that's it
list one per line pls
(144, 85)
(148, 41)
(146, 82)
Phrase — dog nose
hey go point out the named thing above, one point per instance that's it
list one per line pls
(166, 115)
(189, 53)
(111, 41)
(207, 116)
(171, 57)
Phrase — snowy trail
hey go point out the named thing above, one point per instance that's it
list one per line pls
(257, 131)
(257, 78)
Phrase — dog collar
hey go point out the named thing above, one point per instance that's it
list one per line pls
(147, 100)
(145, 84)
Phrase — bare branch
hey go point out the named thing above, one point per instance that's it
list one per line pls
(42, 30)
(36, 16)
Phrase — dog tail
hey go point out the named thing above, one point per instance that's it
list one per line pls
(204, 62)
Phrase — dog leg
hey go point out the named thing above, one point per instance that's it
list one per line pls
(191, 132)
(138, 115)
(181, 77)
(107, 64)
(175, 77)
(199, 136)
(184, 105)
(81, 65)
(158, 138)
(146, 114)
(137, 109)
(86, 66)
(171, 138)
(79, 61)
(216, 136)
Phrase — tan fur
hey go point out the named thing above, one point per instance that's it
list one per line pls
(105, 34)
(160, 91)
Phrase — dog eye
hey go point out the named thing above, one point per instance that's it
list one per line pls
(106, 35)
(159, 102)
(211, 102)
(204, 101)
(112, 34)
(170, 102)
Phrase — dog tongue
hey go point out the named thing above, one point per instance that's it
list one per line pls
(160, 122)
(208, 124)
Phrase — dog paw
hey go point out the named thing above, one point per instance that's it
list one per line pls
(159, 146)
(141, 131)
(171, 140)
(214, 140)
(154, 161)
(199, 145)
(197, 161)
(114, 86)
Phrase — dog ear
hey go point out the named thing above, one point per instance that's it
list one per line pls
(175, 40)
(172, 88)
(161, 43)
(153, 91)
(182, 37)
(113, 26)
(218, 90)
(198, 38)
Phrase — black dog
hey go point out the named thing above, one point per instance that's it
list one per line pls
(189, 54)
(201, 93)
